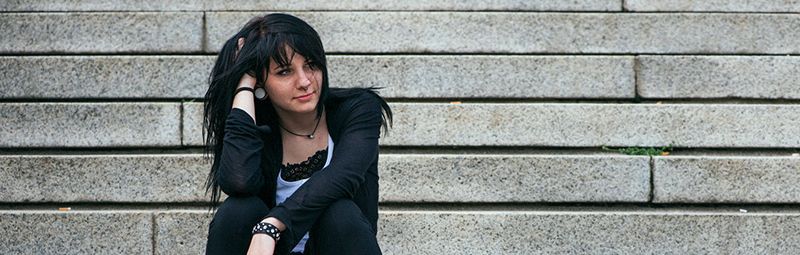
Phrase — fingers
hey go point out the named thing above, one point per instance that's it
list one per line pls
(240, 44)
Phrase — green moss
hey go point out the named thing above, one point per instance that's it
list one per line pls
(649, 151)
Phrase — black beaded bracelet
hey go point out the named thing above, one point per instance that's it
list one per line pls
(267, 228)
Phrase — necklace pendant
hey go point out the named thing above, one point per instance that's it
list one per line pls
(311, 136)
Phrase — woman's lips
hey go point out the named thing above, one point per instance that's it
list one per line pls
(304, 97)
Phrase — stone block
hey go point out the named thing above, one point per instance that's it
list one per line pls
(192, 118)
(401, 76)
(768, 77)
(712, 6)
(171, 178)
(607, 232)
(89, 124)
(531, 32)
(565, 232)
(147, 77)
(583, 125)
(357, 5)
(103, 178)
(514, 178)
(77, 232)
(726, 179)
(118, 32)
(594, 125)
(181, 231)
(487, 76)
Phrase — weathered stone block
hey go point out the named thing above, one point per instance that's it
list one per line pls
(527, 32)
(404, 178)
(610, 232)
(192, 124)
(103, 178)
(181, 232)
(239, 5)
(101, 32)
(89, 124)
(487, 76)
(772, 77)
(77, 232)
(565, 232)
(713, 5)
(400, 76)
(104, 76)
(517, 178)
(583, 125)
(726, 179)
(685, 125)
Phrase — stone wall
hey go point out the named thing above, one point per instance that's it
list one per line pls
(504, 110)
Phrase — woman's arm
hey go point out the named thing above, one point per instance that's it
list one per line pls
(355, 151)
(239, 172)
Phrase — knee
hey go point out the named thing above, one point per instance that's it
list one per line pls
(343, 217)
(239, 210)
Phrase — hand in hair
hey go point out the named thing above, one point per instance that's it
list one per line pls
(248, 79)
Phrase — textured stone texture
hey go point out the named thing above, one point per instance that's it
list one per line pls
(401, 76)
(404, 178)
(488, 76)
(719, 77)
(201, 5)
(587, 233)
(103, 178)
(181, 232)
(89, 124)
(192, 124)
(714, 5)
(96, 232)
(579, 125)
(517, 178)
(101, 32)
(561, 232)
(585, 124)
(104, 76)
(739, 179)
(521, 32)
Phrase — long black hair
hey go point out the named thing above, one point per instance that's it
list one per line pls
(265, 39)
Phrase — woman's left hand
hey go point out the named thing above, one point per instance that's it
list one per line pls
(261, 244)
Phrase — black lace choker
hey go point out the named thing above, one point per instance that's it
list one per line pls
(309, 136)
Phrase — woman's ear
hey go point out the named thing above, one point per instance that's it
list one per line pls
(240, 43)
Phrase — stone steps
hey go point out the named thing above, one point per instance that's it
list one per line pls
(501, 110)
(426, 178)
(409, 32)
(429, 124)
(430, 232)
(424, 76)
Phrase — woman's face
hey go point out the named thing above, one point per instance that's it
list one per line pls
(294, 88)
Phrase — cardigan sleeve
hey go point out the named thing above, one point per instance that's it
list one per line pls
(356, 149)
(239, 172)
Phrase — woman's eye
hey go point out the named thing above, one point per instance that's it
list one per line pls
(283, 72)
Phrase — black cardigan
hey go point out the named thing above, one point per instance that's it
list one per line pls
(248, 167)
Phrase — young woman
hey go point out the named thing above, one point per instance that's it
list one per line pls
(298, 160)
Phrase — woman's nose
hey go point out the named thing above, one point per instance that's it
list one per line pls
(305, 80)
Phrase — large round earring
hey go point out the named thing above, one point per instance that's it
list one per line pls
(260, 93)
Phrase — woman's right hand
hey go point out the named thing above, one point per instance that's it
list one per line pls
(247, 79)
(261, 244)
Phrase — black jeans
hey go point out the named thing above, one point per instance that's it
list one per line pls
(341, 229)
